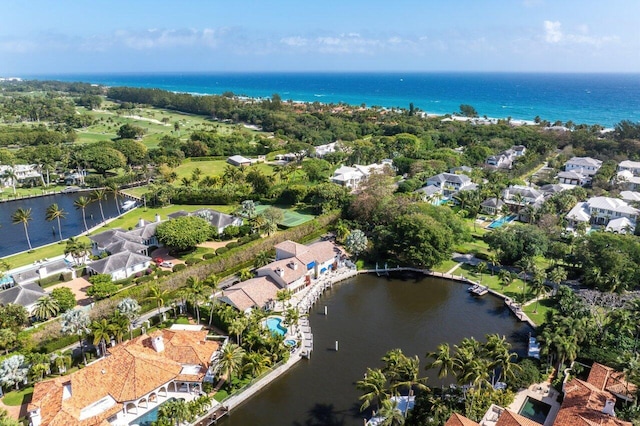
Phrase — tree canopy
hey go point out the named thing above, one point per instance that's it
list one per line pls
(184, 233)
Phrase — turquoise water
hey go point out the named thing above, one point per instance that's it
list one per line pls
(275, 325)
(150, 416)
(499, 222)
(603, 99)
(535, 410)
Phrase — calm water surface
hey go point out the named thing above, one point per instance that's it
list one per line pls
(369, 316)
(42, 232)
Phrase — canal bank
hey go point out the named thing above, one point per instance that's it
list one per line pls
(368, 317)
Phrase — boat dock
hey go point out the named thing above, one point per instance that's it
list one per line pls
(478, 290)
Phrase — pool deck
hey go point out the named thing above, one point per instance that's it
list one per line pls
(542, 392)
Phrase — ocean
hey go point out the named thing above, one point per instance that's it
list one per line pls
(604, 99)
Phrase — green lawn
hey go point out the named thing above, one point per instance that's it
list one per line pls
(514, 290)
(212, 168)
(7, 193)
(15, 398)
(544, 306)
(445, 266)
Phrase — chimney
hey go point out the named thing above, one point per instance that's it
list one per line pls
(157, 343)
(280, 272)
(609, 407)
(157, 217)
(140, 223)
(294, 265)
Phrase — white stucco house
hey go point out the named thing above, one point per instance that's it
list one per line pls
(602, 211)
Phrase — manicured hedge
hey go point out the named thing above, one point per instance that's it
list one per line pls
(179, 267)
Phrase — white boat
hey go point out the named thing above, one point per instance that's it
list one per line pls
(128, 205)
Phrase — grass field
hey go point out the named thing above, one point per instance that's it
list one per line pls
(445, 266)
(212, 168)
(514, 290)
(291, 217)
(19, 397)
(156, 122)
(544, 306)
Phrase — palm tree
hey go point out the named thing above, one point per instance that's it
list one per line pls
(197, 292)
(391, 414)
(212, 281)
(230, 361)
(118, 325)
(46, 307)
(480, 268)
(505, 277)
(101, 334)
(23, 216)
(76, 248)
(81, 204)
(10, 174)
(255, 363)
(99, 195)
(238, 326)
(410, 377)
(442, 360)
(76, 321)
(156, 295)
(494, 260)
(245, 274)
(61, 361)
(55, 212)
(283, 296)
(538, 287)
(113, 188)
(526, 264)
(519, 200)
(291, 317)
(374, 386)
(499, 351)
(262, 259)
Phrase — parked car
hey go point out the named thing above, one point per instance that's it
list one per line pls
(166, 264)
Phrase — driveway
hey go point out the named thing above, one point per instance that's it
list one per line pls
(79, 288)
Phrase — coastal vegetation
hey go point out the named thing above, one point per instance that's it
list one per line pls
(173, 147)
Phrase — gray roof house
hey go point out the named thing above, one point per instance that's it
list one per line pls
(42, 270)
(449, 182)
(430, 193)
(601, 211)
(217, 219)
(585, 165)
(239, 160)
(492, 205)
(22, 294)
(120, 265)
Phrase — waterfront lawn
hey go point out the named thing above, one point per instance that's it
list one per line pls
(138, 191)
(546, 305)
(445, 266)
(19, 397)
(7, 193)
(47, 252)
(514, 290)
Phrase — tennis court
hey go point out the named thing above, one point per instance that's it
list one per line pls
(291, 218)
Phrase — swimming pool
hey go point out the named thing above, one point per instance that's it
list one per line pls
(499, 222)
(535, 410)
(275, 325)
(150, 416)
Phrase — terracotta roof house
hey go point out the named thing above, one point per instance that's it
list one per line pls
(294, 268)
(606, 378)
(22, 294)
(259, 292)
(585, 405)
(504, 418)
(136, 376)
(120, 265)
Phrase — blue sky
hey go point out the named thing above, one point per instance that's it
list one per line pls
(63, 36)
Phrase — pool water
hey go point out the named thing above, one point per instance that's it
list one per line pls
(275, 325)
(499, 222)
(535, 410)
(150, 416)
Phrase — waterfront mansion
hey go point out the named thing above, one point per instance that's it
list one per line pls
(133, 378)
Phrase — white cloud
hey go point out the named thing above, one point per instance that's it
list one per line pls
(552, 31)
(554, 34)
(294, 41)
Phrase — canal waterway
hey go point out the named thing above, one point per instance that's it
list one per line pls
(368, 316)
(41, 232)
